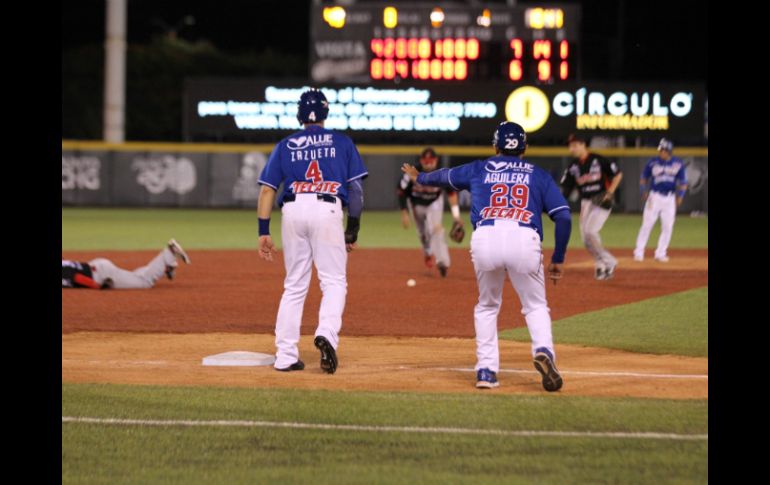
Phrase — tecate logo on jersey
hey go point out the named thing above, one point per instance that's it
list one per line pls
(303, 142)
(494, 167)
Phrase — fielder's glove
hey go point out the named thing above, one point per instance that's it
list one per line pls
(603, 200)
(457, 233)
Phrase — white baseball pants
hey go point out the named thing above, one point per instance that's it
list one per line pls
(592, 219)
(312, 232)
(657, 205)
(507, 248)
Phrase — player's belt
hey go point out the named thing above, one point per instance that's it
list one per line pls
(323, 197)
(664, 193)
(491, 222)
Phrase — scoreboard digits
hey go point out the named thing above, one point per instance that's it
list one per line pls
(453, 42)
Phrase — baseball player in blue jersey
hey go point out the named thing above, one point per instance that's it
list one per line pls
(508, 196)
(321, 172)
(667, 177)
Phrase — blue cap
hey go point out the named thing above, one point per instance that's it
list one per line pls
(509, 136)
(312, 107)
(666, 144)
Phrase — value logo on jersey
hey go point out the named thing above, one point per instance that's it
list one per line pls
(302, 142)
(493, 166)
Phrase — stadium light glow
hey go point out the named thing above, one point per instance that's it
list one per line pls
(390, 17)
(334, 16)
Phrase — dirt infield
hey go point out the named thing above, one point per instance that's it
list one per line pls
(235, 291)
(375, 364)
(395, 338)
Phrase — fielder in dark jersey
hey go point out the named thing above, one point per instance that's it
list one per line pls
(508, 196)
(593, 175)
(102, 274)
(427, 205)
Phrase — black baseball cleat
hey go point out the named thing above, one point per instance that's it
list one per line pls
(609, 273)
(442, 268)
(328, 355)
(299, 365)
(170, 270)
(544, 364)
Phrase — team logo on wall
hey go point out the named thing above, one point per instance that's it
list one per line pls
(80, 173)
(246, 187)
(161, 173)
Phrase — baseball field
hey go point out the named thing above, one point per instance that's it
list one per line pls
(138, 406)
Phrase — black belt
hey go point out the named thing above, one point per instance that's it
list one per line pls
(667, 193)
(491, 222)
(323, 197)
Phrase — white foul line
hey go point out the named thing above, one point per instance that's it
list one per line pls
(571, 372)
(401, 429)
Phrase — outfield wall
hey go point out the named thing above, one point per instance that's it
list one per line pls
(225, 176)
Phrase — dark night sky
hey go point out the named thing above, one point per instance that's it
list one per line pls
(621, 39)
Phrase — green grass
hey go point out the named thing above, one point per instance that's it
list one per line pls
(129, 229)
(97, 453)
(671, 324)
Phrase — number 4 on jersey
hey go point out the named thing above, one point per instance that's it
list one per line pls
(314, 172)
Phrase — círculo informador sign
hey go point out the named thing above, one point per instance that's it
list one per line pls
(263, 111)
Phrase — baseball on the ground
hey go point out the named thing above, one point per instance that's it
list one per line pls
(410, 282)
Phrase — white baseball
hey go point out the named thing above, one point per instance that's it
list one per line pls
(410, 282)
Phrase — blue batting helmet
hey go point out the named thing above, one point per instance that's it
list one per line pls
(312, 107)
(666, 144)
(510, 136)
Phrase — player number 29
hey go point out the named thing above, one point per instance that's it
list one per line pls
(519, 196)
(314, 172)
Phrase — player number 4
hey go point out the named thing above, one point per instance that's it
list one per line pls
(314, 172)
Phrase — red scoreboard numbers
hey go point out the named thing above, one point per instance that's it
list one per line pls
(422, 58)
(449, 59)
(551, 59)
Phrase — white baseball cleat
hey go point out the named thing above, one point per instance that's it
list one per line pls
(662, 259)
(639, 258)
(177, 251)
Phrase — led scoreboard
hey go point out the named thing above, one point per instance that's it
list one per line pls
(366, 41)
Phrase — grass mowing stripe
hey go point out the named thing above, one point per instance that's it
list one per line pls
(401, 429)
(148, 228)
(477, 411)
(671, 324)
(576, 373)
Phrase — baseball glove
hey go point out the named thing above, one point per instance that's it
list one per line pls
(457, 233)
(599, 200)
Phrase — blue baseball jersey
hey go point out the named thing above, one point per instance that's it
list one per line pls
(314, 160)
(506, 187)
(664, 176)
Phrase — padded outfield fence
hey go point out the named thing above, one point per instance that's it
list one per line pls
(135, 174)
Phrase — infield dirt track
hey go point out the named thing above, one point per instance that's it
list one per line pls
(227, 300)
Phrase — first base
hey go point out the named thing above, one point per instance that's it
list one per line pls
(239, 358)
